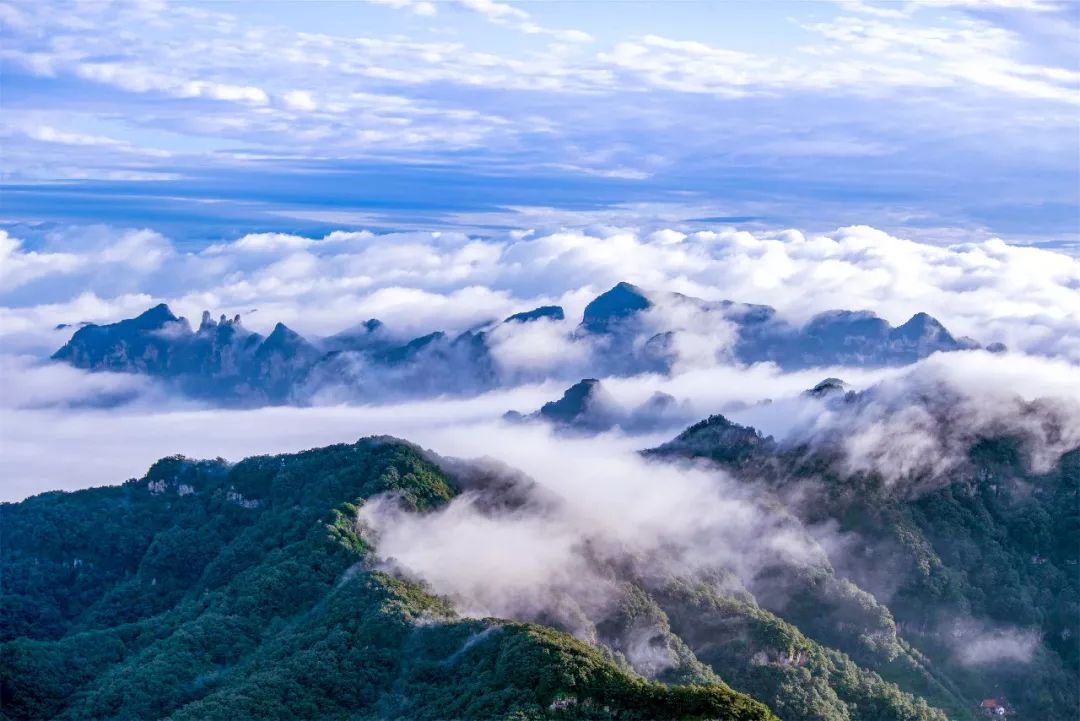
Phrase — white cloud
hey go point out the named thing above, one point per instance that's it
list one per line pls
(52, 135)
(299, 100)
(971, 52)
(19, 266)
(142, 80)
(540, 348)
(1026, 297)
(507, 14)
(901, 10)
(421, 7)
(266, 90)
(857, 54)
(600, 501)
(977, 643)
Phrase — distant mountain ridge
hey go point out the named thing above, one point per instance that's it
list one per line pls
(626, 329)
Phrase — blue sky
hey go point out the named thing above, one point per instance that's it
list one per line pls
(939, 120)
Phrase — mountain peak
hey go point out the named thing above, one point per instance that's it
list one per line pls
(585, 396)
(554, 312)
(922, 325)
(826, 387)
(720, 439)
(620, 302)
(282, 338)
(154, 317)
(208, 324)
(282, 332)
(922, 320)
(847, 320)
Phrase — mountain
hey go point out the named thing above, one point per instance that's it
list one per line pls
(826, 388)
(718, 439)
(140, 344)
(624, 331)
(279, 361)
(861, 338)
(221, 359)
(207, 591)
(585, 403)
(608, 309)
(587, 407)
(552, 312)
(369, 335)
(978, 564)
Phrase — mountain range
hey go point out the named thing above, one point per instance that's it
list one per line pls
(208, 590)
(623, 331)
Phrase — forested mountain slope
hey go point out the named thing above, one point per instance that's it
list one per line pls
(978, 565)
(208, 591)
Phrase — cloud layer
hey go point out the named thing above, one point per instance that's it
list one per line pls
(416, 282)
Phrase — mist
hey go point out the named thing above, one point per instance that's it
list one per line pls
(52, 403)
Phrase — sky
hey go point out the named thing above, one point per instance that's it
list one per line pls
(943, 120)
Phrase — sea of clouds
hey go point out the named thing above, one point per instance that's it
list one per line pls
(117, 424)
(416, 282)
(63, 428)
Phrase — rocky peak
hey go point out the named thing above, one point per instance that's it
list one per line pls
(585, 397)
(283, 337)
(208, 324)
(827, 387)
(621, 302)
(923, 326)
(154, 318)
(552, 312)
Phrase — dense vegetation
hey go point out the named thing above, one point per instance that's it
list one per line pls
(979, 568)
(208, 591)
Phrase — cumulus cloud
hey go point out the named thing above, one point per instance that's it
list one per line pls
(32, 384)
(538, 349)
(583, 505)
(417, 282)
(1026, 297)
(596, 503)
(986, 394)
(918, 425)
(44, 427)
(19, 266)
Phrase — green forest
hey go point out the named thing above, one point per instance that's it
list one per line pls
(207, 590)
